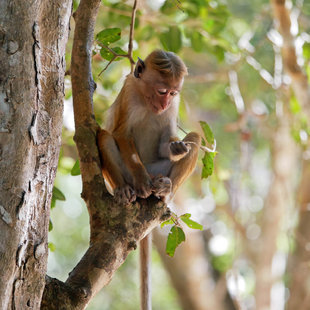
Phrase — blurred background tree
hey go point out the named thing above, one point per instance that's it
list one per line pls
(249, 69)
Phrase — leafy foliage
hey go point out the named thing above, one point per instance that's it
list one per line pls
(208, 164)
(57, 195)
(108, 36)
(189, 222)
(207, 132)
(171, 39)
(50, 226)
(306, 51)
(76, 169)
(208, 159)
(176, 235)
(175, 238)
(51, 246)
(105, 38)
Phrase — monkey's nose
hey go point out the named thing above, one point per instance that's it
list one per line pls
(165, 103)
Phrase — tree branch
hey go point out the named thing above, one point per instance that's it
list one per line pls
(131, 33)
(114, 230)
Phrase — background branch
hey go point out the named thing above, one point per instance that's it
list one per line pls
(130, 44)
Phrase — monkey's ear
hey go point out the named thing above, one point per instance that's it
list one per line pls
(140, 66)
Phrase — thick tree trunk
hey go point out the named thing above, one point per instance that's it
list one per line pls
(33, 36)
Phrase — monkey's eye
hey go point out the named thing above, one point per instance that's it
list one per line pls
(173, 93)
(162, 91)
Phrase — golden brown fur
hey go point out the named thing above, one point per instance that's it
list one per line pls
(139, 149)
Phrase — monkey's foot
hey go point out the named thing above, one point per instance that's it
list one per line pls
(162, 187)
(143, 189)
(124, 195)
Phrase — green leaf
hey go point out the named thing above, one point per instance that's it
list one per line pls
(208, 164)
(190, 223)
(109, 35)
(168, 8)
(75, 5)
(197, 41)
(207, 132)
(168, 222)
(76, 169)
(308, 72)
(219, 52)
(58, 194)
(217, 19)
(50, 226)
(53, 203)
(107, 55)
(52, 246)
(145, 34)
(294, 105)
(306, 50)
(175, 238)
(192, 9)
(171, 39)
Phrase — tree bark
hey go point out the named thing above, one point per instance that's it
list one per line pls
(33, 37)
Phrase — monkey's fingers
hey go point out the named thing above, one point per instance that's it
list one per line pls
(178, 148)
(143, 191)
(124, 195)
(130, 194)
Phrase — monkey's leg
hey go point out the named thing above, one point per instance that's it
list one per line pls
(141, 180)
(184, 167)
(113, 169)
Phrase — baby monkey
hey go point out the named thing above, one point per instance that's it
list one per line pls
(140, 152)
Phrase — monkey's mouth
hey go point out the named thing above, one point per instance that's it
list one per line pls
(157, 108)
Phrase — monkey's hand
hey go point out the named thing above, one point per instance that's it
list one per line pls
(178, 149)
(162, 187)
(124, 195)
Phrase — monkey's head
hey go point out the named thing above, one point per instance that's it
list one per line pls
(160, 79)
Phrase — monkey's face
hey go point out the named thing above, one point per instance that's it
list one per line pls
(164, 94)
(159, 91)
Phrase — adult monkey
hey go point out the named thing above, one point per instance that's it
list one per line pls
(139, 150)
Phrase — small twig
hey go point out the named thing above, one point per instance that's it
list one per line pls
(107, 66)
(179, 5)
(202, 147)
(130, 45)
(184, 131)
(115, 55)
(235, 91)
(131, 34)
(264, 74)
